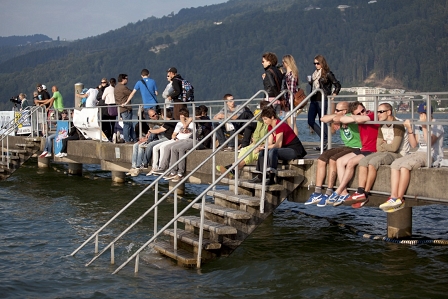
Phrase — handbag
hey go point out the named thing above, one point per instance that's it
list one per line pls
(299, 96)
(112, 110)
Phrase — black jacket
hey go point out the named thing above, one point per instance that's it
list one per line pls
(176, 82)
(327, 84)
(272, 81)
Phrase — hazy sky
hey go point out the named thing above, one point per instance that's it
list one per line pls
(73, 19)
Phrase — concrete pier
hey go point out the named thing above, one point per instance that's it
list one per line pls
(75, 169)
(399, 224)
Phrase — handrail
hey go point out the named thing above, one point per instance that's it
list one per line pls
(156, 182)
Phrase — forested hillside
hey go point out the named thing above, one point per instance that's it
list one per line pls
(403, 39)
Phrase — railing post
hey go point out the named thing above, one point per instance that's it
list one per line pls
(137, 258)
(175, 222)
(156, 199)
(201, 234)
(96, 243)
(112, 254)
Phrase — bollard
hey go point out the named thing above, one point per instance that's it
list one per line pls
(78, 89)
(180, 189)
(118, 177)
(43, 162)
(75, 168)
(399, 224)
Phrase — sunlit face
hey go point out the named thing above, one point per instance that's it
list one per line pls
(317, 64)
(230, 102)
(340, 110)
(360, 110)
(383, 113)
(170, 75)
(267, 120)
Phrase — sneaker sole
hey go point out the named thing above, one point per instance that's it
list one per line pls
(359, 205)
(312, 203)
(351, 202)
(394, 209)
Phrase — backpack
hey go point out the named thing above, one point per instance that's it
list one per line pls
(187, 91)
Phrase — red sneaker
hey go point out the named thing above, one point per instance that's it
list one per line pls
(360, 204)
(356, 197)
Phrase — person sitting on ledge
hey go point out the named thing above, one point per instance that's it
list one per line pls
(401, 168)
(283, 144)
(74, 134)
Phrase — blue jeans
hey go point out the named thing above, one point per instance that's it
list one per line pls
(128, 128)
(49, 143)
(314, 110)
(274, 154)
(137, 155)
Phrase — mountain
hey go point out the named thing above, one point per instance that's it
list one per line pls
(218, 48)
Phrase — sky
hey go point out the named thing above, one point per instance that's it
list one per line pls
(76, 19)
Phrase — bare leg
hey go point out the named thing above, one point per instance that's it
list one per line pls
(348, 174)
(394, 181)
(370, 178)
(321, 172)
(363, 174)
(341, 164)
(404, 182)
(332, 168)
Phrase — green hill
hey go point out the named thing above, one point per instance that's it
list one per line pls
(405, 40)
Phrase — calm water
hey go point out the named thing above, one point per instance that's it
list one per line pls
(46, 214)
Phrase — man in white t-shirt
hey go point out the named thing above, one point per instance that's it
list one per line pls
(91, 97)
(401, 168)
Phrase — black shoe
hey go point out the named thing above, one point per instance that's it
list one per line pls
(256, 179)
(271, 180)
(317, 148)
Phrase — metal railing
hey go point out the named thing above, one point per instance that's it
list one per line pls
(177, 214)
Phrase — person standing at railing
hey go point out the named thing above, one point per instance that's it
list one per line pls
(283, 144)
(346, 164)
(176, 95)
(392, 143)
(401, 168)
(272, 80)
(23, 101)
(109, 100)
(121, 93)
(352, 141)
(324, 79)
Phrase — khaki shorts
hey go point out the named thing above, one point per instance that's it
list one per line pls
(377, 159)
(411, 161)
(335, 153)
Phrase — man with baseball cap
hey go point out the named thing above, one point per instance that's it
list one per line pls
(42, 95)
(401, 168)
(176, 95)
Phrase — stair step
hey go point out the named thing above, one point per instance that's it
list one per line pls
(182, 256)
(33, 139)
(217, 228)
(25, 145)
(283, 173)
(245, 183)
(223, 211)
(192, 239)
(11, 157)
(18, 151)
(240, 199)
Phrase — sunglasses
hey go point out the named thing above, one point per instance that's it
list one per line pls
(316, 63)
(103, 82)
(361, 112)
(339, 110)
(153, 115)
(382, 111)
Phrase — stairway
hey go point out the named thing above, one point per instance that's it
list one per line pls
(229, 218)
(19, 153)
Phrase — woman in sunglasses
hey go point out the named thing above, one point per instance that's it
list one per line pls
(324, 79)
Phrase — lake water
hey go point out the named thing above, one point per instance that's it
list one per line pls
(46, 214)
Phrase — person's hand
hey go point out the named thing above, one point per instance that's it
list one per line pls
(263, 76)
(407, 124)
(423, 118)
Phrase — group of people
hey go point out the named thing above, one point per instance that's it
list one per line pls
(370, 145)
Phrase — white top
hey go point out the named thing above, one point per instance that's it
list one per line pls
(168, 89)
(180, 135)
(108, 95)
(91, 97)
(437, 147)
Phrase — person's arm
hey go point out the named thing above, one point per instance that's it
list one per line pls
(328, 118)
(130, 97)
(359, 119)
(399, 131)
(158, 130)
(335, 82)
(411, 134)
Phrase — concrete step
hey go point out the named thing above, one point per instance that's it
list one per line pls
(239, 199)
(33, 139)
(184, 257)
(18, 151)
(245, 183)
(223, 211)
(192, 239)
(217, 228)
(11, 157)
(25, 145)
(283, 173)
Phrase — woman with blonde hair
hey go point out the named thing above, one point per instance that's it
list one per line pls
(292, 74)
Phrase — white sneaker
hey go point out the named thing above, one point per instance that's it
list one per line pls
(48, 155)
(59, 155)
(64, 154)
(114, 138)
(136, 172)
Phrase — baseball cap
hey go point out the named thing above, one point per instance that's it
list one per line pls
(44, 87)
(422, 108)
(172, 70)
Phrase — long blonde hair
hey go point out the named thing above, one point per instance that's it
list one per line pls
(289, 59)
